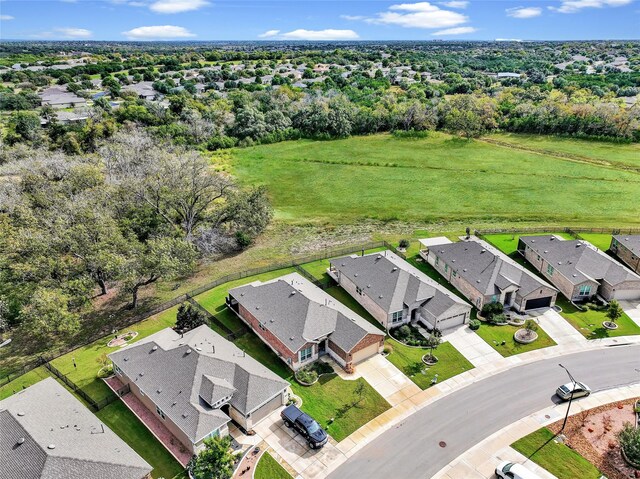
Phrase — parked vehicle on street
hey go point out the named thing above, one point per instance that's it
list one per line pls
(512, 470)
(305, 425)
(580, 390)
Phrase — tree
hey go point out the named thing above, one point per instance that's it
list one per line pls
(188, 317)
(215, 461)
(615, 311)
(432, 342)
(24, 126)
(158, 258)
(48, 315)
(469, 115)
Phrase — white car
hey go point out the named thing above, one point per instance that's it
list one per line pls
(511, 470)
(580, 390)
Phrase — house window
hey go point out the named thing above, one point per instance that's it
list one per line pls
(549, 270)
(116, 369)
(305, 354)
(494, 298)
(446, 268)
(478, 301)
(396, 317)
(455, 273)
(437, 260)
(215, 433)
(141, 392)
(538, 257)
(585, 290)
(159, 411)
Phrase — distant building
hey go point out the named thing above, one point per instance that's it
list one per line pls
(627, 249)
(60, 97)
(46, 433)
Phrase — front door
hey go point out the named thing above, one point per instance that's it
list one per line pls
(322, 348)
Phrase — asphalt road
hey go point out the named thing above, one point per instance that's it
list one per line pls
(464, 418)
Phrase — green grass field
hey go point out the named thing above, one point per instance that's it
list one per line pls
(440, 178)
(589, 323)
(269, 468)
(34, 376)
(495, 335)
(126, 425)
(409, 361)
(560, 460)
(508, 242)
(599, 240)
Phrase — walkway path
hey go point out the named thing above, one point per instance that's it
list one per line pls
(472, 346)
(384, 377)
(560, 329)
(480, 461)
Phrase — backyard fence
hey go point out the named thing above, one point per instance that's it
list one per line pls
(575, 232)
(131, 320)
(96, 405)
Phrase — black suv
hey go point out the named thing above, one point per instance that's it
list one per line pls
(305, 425)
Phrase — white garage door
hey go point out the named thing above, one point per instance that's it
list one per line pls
(451, 322)
(627, 294)
(365, 353)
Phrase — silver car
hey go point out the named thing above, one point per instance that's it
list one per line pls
(579, 390)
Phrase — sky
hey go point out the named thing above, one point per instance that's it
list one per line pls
(318, 20)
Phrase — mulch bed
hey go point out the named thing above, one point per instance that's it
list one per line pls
(592, 433)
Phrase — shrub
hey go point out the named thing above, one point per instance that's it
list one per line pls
(474, 324)
(531, 325)
(243, 240)
(306, 375)
(498, 319)
(404, 243)
(629, 438)
(491, 309)
(322, 368)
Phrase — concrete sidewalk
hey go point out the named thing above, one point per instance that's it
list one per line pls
(480, 461)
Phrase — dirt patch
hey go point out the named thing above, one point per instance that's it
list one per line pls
(592, 433)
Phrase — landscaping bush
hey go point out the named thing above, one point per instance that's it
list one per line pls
(306, 375)
(489, 310)
(629, 438)
(497, 319)
(474, 324)
(404, 243)
(409, 335)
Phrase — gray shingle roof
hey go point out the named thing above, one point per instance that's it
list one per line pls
(391, 282)
(172, 376)
(297, 312)
(631, 242)
(579, 260)
(60, 96)
(487, 269)
(60, 438)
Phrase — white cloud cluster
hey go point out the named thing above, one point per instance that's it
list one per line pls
(158, 32)
(177, 6)
(455, 31)
(524, 12)
(6, 17)
(69, 32)
(573, 6)
(419, 15)
(456, 4)
(302, 34)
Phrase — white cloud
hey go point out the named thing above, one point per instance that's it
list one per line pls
(6, 17)
(455, 31)
(74, 32)
(269, 34)
(158, 32)
(508, 39)
(456, 4)
(573, 6)
(524, 12)
(327, 34)
(353, 17)
(419, 15)
(177, 6)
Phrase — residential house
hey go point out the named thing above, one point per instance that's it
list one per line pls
(396, 293)
(300, 322)
(627, 249)
(485, 275)
(197, 382)
(60, 97)
(143, 89)
(579, 269)
(46, 433)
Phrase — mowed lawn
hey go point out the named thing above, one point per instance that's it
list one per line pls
(508, 242)
(589, 322)
(269, 468)
(28, 379)
(559, 459)
(495, 335)
(440, 178)
(599, 240)
(409, 361)
(615, 154)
